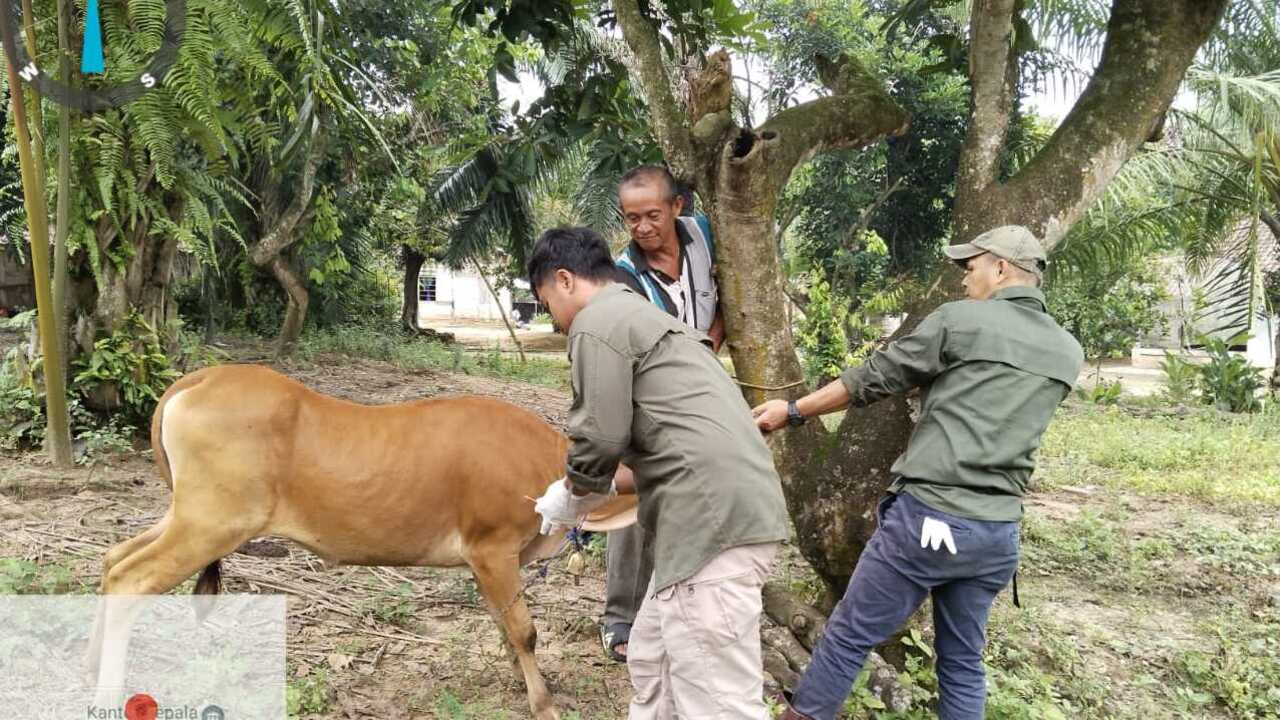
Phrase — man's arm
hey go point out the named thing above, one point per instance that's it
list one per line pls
(599, 426)
(910, 362)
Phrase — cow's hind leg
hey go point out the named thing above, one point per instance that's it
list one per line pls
(118, 552)
(497, 572)
(124, 549)
(180, 551)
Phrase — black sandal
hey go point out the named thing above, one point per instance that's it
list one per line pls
(613, 636)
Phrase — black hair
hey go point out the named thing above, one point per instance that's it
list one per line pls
(647, 174)
(580, 250)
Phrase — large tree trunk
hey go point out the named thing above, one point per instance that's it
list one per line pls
(739, 175)
(833, 480)
(413, 262)
(1150, 44)
(141, 286)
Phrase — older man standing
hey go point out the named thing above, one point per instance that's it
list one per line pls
(646, 389)
(992, 370)
(670, 260)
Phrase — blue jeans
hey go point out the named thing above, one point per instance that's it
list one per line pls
(893, 576)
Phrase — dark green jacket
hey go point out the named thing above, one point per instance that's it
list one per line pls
(991, 372)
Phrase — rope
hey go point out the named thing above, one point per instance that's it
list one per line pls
(768, 388)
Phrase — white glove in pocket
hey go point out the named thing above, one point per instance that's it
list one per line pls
(935, 533)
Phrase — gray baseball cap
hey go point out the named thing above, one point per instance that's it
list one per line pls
(1014, 243)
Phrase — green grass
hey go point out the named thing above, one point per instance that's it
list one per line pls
(23, 577)
(1204, 454)
(449, 707)
(1239, 668)
(418, 354)
(310, 695)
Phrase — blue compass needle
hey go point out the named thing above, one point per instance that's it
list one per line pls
(91, 60)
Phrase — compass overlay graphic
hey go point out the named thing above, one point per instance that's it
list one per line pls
(94, 58)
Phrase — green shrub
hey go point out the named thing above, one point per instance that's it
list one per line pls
(23, 577)
(127, 371)
(1180, 379)
(820, 336)
(1241, 671)
(1102, 392)
(122, 378)
(1228, 381)
(308, 695)
(1108, 315)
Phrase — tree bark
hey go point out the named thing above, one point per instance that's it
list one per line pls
(1273, 224)
(142, 285)
(789, 647)
(62, 228)
(413, 262)
(295, 313)
(739, 175)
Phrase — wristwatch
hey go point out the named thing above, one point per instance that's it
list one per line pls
(794, 418)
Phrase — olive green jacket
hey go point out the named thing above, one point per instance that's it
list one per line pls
(992, 373)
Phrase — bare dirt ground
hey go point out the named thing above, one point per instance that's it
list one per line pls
(481, 334)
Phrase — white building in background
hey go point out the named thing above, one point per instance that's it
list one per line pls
(444, 293)
(1186, 324)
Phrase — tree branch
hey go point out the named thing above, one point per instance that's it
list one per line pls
(668, 122)
(863, 114)
(281, 235)
(992, 77)
(1150, 44)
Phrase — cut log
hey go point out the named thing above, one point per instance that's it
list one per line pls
(803, 620)
(778, 668)
(800, 627)
(781, 641)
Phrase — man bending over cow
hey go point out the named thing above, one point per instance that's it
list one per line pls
(646, 391)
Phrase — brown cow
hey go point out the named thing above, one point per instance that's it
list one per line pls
(249, 452)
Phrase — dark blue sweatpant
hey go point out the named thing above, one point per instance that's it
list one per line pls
(893, 576)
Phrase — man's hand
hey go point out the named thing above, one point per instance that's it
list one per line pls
(935, 533)
(770, 415)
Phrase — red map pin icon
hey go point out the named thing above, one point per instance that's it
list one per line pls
(141, 707)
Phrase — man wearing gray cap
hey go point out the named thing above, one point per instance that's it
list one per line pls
(991, 369)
